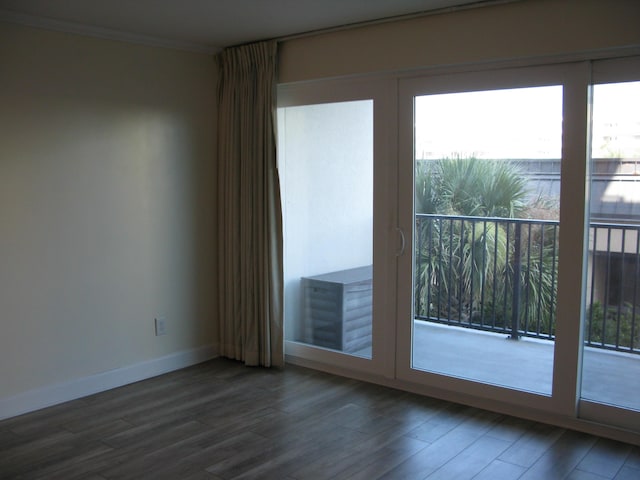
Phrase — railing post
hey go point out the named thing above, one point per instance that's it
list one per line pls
(517, 267)
(417, 291)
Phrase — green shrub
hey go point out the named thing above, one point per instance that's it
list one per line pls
(613, 326)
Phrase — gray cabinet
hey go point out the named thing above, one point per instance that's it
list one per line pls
(337, 308)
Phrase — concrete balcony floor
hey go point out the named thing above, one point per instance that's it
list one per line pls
(526, 364)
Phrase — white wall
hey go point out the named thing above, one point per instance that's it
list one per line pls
(516, 30)
(106, 209)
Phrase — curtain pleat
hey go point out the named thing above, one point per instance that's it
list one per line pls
(249, 287)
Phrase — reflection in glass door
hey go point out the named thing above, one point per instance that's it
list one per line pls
(326, 167)
(611, 357)
(487, 184)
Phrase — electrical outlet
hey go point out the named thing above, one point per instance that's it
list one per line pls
(161, 327)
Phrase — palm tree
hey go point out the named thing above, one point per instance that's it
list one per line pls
(470, 187)
(465, 268)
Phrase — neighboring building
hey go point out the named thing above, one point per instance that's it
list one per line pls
(614, 253)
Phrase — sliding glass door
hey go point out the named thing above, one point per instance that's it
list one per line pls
(482, 161)
(611, 358)
(487, 183)
(470, 235)
(329, 167)
(328, 208)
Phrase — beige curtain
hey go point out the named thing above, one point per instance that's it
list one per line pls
(249, 216)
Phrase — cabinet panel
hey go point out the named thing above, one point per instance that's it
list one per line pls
(337, 308)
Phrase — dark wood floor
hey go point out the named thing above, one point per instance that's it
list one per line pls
(221, 420)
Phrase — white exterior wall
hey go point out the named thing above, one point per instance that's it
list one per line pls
(326, 168)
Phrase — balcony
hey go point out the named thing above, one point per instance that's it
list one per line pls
(522, 365)
(500, 275)
(488, 279)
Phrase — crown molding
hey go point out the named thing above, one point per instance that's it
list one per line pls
(46, 23)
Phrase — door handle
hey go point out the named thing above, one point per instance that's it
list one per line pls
(402, 242)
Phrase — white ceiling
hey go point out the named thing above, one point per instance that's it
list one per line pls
(207, 25)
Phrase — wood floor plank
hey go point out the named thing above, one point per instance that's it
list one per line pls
(221, 420)
(628, 473)
(35, 445)
(471, 461)
(633, 460)
(499, 470)
(582, 475)
(10, 439)
(605, 458)
(71, 465)
(153, 434)
(510, 429)
(361, 454)
(47, 455)
(532, 445)
(383, 460)
(186, 456)
(445, 448)
(563, 457)
(48, 419)
(99, 429)
(288, 453)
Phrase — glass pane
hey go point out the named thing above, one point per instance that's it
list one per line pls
(611, 360)
(487, 173)
(326, 164)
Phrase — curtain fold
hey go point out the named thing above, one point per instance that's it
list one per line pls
(249, 287)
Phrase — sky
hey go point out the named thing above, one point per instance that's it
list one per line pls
(523, 123)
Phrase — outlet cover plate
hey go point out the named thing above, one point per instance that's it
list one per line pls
(161, 326)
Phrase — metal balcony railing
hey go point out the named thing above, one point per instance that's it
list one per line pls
(500, 275)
